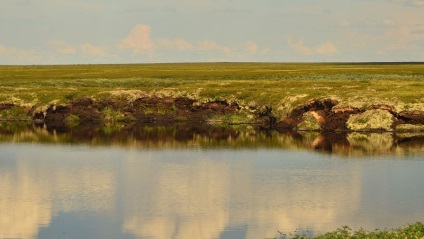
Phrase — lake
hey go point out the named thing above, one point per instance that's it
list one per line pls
(197, 181)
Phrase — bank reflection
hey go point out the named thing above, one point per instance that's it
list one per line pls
(182, 136)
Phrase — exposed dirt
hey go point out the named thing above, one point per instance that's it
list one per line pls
(331, 118)
(151, 109)
(145, 109)
(6, 106)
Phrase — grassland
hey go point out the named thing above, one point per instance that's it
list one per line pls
(280, 85)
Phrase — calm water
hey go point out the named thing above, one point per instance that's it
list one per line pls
(202, 182)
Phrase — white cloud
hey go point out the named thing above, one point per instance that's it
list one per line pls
(326, 48)
(389, 22)
(345, 23)
(175, 44)
(251, 47)
(184, 45)
(77, 4)
(404, 37)
(207, 45)
(21, 55)
(62, 47)
(86, 49)
(91, 50)
(138, 40)
(214, 49)
(414, 3)
(3, 49)
(299, 46)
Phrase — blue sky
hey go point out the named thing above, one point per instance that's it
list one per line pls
(144, 31)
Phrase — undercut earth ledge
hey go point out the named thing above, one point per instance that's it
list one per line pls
(317, 114)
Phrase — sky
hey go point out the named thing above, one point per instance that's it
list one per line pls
(36, 32)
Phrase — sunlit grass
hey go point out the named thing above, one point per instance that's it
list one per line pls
(282, 86)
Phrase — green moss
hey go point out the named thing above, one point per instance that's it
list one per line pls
(161, 111)
(242, 116)
(174, 107)
(415, 230)
(72, 120)
(371, 143)
(309, 122)
(110, 115)
(15, 113)
(148, 111)
(410, 128)
(371, 120)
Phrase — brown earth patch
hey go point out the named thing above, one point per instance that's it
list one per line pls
(6, 106)
(331, 119)
(150, 109)
(145, 109)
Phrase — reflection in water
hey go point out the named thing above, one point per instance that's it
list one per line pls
(30, 181)
(24, 203)
(200, 182)
(183, 136)
(186, 200)
(199, 198)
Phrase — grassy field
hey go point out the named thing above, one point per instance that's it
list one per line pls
(280, 85)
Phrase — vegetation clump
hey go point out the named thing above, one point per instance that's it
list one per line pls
(112, 116)
(410, 128)
(371, 120)
(72, 120)
(309, 122)
(412, 231)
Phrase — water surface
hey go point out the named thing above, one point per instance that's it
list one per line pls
(203, 182)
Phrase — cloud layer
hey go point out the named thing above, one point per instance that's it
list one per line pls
(138, 40)
(68, 32)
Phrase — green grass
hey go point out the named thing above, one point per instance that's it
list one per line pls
(72, 120)
(112, 116)
(280, 85)
(411, 231)
(15, 113)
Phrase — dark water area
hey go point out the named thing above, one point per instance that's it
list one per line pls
(200, 181)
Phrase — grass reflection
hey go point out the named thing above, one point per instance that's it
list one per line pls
(180, 136)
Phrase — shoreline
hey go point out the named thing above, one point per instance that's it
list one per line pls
(315, 115)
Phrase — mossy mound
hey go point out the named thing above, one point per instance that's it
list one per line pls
(309, 122)
(371, 120)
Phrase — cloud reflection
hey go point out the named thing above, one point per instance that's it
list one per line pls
(201, 198)
(37, 186)
(207, 182)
